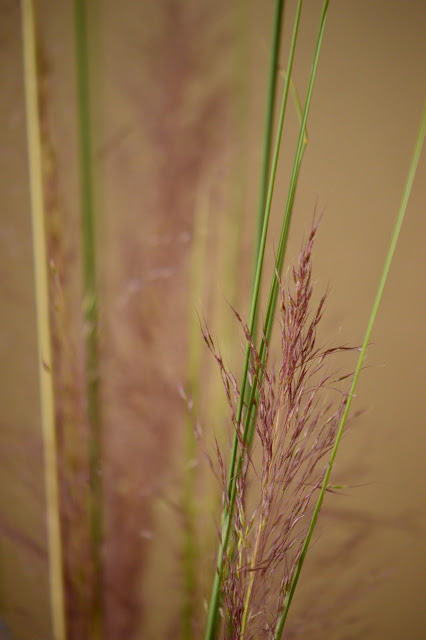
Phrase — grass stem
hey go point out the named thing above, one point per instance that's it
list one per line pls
(377, 300)
(267, 140)
(90, 302)
(232, 476)
(273, 294)
(47, 400)
(270, 107)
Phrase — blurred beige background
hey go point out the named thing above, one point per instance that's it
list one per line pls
(178, 103)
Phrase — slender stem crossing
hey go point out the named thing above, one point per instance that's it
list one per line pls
(376, 303)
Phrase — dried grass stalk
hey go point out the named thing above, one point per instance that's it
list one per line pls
(71, 420)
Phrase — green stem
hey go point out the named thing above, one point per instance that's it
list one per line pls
(388, 261)
(45, 366)
(232, 477)
(273, 294)
(267, 141)
(90, 304)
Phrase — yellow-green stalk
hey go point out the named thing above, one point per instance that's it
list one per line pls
(397, 228)
(90, 303)
(47, 400)
(268, 129)
(234, 465)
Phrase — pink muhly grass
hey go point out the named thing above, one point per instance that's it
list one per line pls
(295, 425)
(186, 143)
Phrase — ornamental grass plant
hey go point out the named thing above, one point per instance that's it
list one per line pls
(129, 439)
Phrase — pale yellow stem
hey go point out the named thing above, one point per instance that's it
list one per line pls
(43, 324)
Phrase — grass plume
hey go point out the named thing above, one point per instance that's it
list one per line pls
(287, 416)
(67, 372)
(70, 394)
(183, 145)
(235, 466)
(296, 422)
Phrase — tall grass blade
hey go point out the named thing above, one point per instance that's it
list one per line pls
(267, 140)
(382, 282)
(273, 294)
(47, 400)
(90, 302)
(232, 476)
(297, 103)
